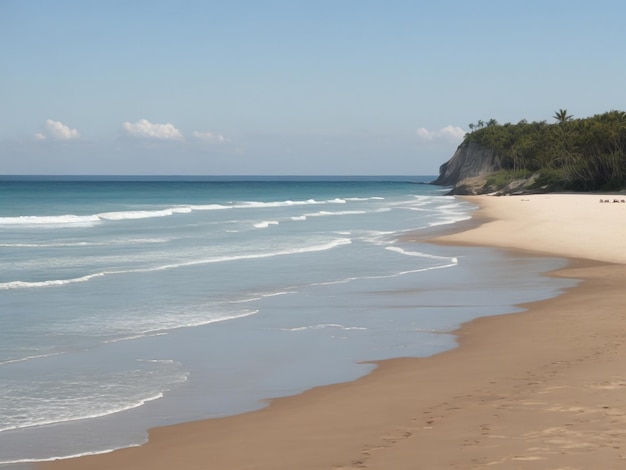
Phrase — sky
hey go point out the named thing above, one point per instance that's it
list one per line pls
(319, 87)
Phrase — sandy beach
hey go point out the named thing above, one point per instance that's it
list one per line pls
(542, 389)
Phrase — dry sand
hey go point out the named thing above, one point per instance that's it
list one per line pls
(568, 225)
(543, 389)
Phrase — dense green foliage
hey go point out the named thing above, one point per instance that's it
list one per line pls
(572, 154)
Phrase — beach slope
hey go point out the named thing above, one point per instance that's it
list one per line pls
(543, 389)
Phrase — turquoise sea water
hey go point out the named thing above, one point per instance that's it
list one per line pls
(126, 305)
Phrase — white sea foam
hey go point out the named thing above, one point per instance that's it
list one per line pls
(275, 294)
(259, 297)
(331, 213)
(291, 251)
(451, 219)
(259, 204)
(158, 361)
(181, 210)
(263, 204)
(51, 283)
(129, 326)
(64, 457)
(71, 220)
(85, 396)
(340, 213)
(266, 223)
(322, 326)
(129, 241)
(193, 321)
(373, 198)
(245, 301)
(397, 249)
(445, 207)
(72, 415)
(209, 207)
(27, 358)
(375, 237)
(50, 245)
(219, 259)
(68, 220)
(288, 203)
(132, 215)
(451, 262)
(132, 337)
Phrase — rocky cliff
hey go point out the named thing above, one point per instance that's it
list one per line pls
(469, 161)
(469, 169)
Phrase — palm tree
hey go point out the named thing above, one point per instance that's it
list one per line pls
(561, 116)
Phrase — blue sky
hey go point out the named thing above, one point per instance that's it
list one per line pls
(290, 87)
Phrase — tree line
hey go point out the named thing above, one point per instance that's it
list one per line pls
(586, 154)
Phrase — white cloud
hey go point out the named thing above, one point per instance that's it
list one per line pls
(147, 130)
(449, 133)
(210, 137)
(56, 130)
(425, 133)
(452, 132)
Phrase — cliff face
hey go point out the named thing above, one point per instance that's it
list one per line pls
(469, 161)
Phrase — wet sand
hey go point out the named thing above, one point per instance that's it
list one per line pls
(542, 389)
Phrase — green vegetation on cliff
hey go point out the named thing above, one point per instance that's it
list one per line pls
(572, 154)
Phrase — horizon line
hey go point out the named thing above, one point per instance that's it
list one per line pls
(232, 177)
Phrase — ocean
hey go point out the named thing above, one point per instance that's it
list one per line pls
(127, 304)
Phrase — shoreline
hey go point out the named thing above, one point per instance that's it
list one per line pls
(548, 396)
